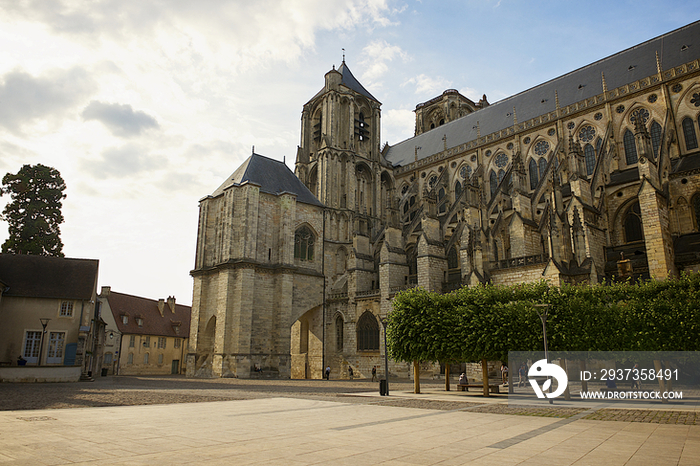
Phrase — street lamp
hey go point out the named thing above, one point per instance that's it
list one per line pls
(385, 321)
(44, 323)
(542, 312)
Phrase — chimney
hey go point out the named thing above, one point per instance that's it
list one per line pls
(104, 292)
(161, 306)
(171, 303)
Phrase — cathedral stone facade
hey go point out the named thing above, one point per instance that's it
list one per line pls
(591, 176)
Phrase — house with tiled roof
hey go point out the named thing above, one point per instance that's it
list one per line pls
(143, 336)
(48, 313)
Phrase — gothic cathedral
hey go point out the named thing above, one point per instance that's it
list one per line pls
(592, 176)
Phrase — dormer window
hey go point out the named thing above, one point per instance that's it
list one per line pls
(139, 321)
(125, 319)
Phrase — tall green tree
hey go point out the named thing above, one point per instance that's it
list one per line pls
(34, 213)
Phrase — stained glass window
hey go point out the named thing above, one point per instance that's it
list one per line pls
(339, 324)
(541, 147)
(493, 182)
(642, 113)
(501, 160)
(304, 244)
(534, 177)
(630, 148)
(589, 154)
(586, 134)
(691, 140)
(367, 333)
(655, 138)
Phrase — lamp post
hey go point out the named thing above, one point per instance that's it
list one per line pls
(542, 314)
(386, 355)
(44, 323)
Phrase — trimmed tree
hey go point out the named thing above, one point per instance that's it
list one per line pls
(34, 213)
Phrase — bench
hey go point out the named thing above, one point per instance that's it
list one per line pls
(466, 387)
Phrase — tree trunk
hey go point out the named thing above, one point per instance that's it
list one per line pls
(485, 376)
(447, 377)
(416, 377)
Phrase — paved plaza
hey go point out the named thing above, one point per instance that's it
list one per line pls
(328, 426)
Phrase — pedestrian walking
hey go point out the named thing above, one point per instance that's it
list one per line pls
(328, 373)
(374, 373)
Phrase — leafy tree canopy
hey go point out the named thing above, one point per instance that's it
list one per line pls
(34, 213)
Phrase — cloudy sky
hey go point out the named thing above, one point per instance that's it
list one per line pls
(146, 106)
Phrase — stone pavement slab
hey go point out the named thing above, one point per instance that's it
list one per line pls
(294, 431)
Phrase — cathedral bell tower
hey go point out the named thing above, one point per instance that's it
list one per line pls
(338, 158)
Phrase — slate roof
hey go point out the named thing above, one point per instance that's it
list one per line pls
(147, 309)
(687, 163)
(48, 277)
(273, 177)
(622, 68)
(349, 80)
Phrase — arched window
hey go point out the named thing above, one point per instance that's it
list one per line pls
(589, 154)
(452, 259)
(598, 144)
(501, 174)
(543, 166)
(412, 258)
(367, 333)
(361, 128)
(339, 324)
(630, 148)
(534, 177)
(493, 182)
(304, 244)
(633, 224)
(696, 209)
(495, 250)
(691, 140)
(655, 133)
(458, 190)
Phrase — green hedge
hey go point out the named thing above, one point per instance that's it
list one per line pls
(488, 321)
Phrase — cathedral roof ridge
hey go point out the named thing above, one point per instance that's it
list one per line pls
(628, 66)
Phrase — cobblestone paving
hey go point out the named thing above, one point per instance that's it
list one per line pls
(640, 415)
(130, 391)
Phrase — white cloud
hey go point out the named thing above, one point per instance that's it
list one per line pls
(121, 120)
(127, 160)
(377, 54)
(27, 99)
(472, 94)
(428, 86)
(398, 125)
